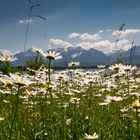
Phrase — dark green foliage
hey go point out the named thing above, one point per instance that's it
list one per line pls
(7, 68)
(35, 62)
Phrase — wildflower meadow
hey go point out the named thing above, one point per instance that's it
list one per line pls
(71, 104)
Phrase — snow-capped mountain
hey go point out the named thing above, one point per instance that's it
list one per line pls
(89, 57)
(85, 57)
(23, 57)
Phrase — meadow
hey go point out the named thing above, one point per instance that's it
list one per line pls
(73, 104)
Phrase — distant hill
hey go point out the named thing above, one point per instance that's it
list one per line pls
(135, 56)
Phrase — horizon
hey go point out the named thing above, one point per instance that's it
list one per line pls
(12, 53)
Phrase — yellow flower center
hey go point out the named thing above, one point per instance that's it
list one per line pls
(50, 57)
(134, 104)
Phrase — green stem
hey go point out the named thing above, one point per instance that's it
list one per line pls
(27, 119)
(37, 61)
(15, 114)
(5, 71)
(49, 71)
(137, 118)
(128, 82)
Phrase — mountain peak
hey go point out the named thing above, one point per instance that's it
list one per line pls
(85, 57)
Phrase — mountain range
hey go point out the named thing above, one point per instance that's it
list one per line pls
(89, 57)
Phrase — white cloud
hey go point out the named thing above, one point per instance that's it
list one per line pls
(122, 45)
(87, 36)
(102, 43)
(108, 30)
(73, 35)
(126, 33)
(92, 41)
(56, 43)
(23, 21)
(101, 31)
(85, 45)
(106, 46)
(5, 52)
(97, 45)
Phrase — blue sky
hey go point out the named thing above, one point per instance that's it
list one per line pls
(87, 18)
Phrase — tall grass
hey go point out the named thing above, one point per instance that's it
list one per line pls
(70, 107)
